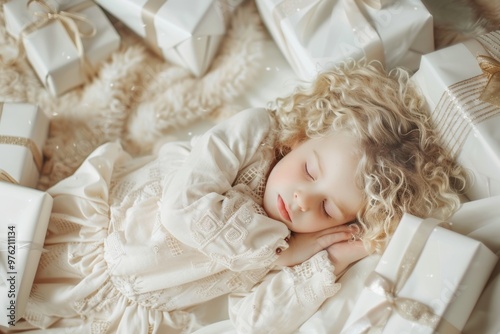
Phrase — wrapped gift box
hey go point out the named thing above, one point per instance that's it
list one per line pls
(25, 217)
(452, 81)
(23, 132)
(427, 281)
(50, 44)
(314, 35)
(185, 32)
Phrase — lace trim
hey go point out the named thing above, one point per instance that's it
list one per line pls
(173, 245)
(255, 276)
(106, 296)
(56, 256)
(99, 327)
(59, 224)
(317, 265)
(171, 299)
(255, 177)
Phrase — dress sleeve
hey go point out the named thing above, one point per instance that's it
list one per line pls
(285, 299)
(202, 209)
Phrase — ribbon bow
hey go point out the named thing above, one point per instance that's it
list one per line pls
(490, 67)
(410, 309)
(69, 21)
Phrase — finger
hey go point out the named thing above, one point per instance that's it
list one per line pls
(351, 251)
(351, 228)
(343, 254)
(328, 240)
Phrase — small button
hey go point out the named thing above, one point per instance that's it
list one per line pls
(278, 250)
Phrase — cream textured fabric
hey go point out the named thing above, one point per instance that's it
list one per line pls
(135, 96)
(286, 299)
(135, 242)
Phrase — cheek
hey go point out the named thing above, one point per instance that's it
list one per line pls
(276, 183)
(280, 174)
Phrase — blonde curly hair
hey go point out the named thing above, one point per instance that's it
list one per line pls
(402, 168)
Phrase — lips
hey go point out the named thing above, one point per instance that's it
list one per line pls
(282, 209)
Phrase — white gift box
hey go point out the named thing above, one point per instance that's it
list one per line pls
(23, 131)
(185, 32)
(60, 62)
(25, 217)
(452, 82)
(427, 281)
(314, 35)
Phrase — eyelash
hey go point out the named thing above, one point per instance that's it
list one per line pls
(324, 210)
(323, 205)
(307, 172)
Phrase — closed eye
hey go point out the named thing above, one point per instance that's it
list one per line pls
(325, 211)
(306, 168)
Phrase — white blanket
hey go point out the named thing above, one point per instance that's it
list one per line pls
(137, 98)
(478, 219)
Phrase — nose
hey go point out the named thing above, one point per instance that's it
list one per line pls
(303, 199)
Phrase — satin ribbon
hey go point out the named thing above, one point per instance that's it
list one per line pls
(21, 141)
(69, 20)
(6, 177)
(378, 4)
(288, 7)
(25, 142)
(460, 107)
(491, 68)
(372, 46)
(23, 245)
(148, 13)
(410, 309)
(20, 245)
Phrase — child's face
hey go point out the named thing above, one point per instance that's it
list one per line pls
(313, 187)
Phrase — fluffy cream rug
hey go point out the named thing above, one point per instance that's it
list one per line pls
(459, 20)
(135, 97)
(138, 98)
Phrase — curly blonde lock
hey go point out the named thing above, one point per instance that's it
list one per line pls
(402, 168)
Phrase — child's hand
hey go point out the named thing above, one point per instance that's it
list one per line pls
(342, 254)
(302, 246)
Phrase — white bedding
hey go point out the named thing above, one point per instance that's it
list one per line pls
(478, 219)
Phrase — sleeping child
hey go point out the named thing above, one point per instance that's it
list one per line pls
(269, 207)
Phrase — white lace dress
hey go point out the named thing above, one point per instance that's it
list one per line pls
(134, 243)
